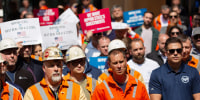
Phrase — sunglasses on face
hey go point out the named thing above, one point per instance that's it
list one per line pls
(196, 37)
(172, 51)
(173, 16)
(173, 33)
(77, 62)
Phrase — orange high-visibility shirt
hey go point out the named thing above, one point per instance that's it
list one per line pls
(109, 90)
(10, 92)
(68, 90)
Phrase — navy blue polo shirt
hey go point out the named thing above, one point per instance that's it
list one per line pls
(172, 85)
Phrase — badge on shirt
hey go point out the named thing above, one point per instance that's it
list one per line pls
(185, 79)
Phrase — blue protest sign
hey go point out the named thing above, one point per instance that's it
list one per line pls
(98, 62)
(135, 17)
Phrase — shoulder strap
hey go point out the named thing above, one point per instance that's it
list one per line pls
(109, 91)
(69, 90)
(93, 84)
(11, 92)
(41, 91)
(132, 72)
(135, 88)
(106, 72)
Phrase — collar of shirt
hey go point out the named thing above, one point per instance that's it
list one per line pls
(181, 69)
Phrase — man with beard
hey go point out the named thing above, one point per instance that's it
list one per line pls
(139, 62)
(52, 86)
(159, 55)
(148, 33)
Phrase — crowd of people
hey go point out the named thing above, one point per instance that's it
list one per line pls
(158, 60)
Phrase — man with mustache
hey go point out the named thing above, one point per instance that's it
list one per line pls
(52, 86)
(139, 62)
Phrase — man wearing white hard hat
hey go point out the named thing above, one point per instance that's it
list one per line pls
(76, 60)
(52, 86)
(16, 73)
(14, 93)
(118, 45)
(120, 84)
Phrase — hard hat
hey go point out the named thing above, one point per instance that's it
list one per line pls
(119, 25)
(74, 53)
(1, 59)
(7, 44)
(52, 53)
(116, 44)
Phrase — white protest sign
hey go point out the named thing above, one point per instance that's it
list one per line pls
(67, 17)
(65, 35)
(26, 30)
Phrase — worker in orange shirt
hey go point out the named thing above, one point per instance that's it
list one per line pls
(120, 85)
(52, 86)
(118, 44)
(76, 60)
(8, 91)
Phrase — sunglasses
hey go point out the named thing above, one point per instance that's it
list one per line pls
(196, 37)
(173, 16)
(77, 62)
(172, 51)
(173, 33)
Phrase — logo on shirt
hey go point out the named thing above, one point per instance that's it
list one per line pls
(21, 77)
(185, 79)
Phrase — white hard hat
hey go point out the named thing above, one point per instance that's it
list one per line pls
(52, 53)
(1, 59)
(1, 12)
(74, 53)
(7, 44)
(119, 25)
(116, 44)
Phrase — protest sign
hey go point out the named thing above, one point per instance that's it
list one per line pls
(135, 17)
(26, 30)
(96, 21)
(64, 35)
(46, 16)
(98, 62)
(67, 17)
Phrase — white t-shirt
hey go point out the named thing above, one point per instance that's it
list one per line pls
(145, 69)
(147, 37)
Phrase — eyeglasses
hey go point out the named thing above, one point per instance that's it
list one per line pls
(196, 37)
(79, 61)
(173, 33)
(5, 63)
(172, 51)
(173, 16)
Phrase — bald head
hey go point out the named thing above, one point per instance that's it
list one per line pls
(161, 41)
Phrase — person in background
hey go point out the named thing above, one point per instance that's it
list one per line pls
(161, 21)
(85, 6)
(187, 58)
(16, 72)
(148, 33)
(174, 31)
(102, 46)
(25, 6)
(195, 52)
(8, 91)
(37, 52)
(174, 80)
(159, 56)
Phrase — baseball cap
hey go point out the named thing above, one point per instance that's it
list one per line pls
(195, 31)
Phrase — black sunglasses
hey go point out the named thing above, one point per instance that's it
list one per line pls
(173, 16)
(196, 37)
(173, 33)
(172, 51)
(79, 61)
